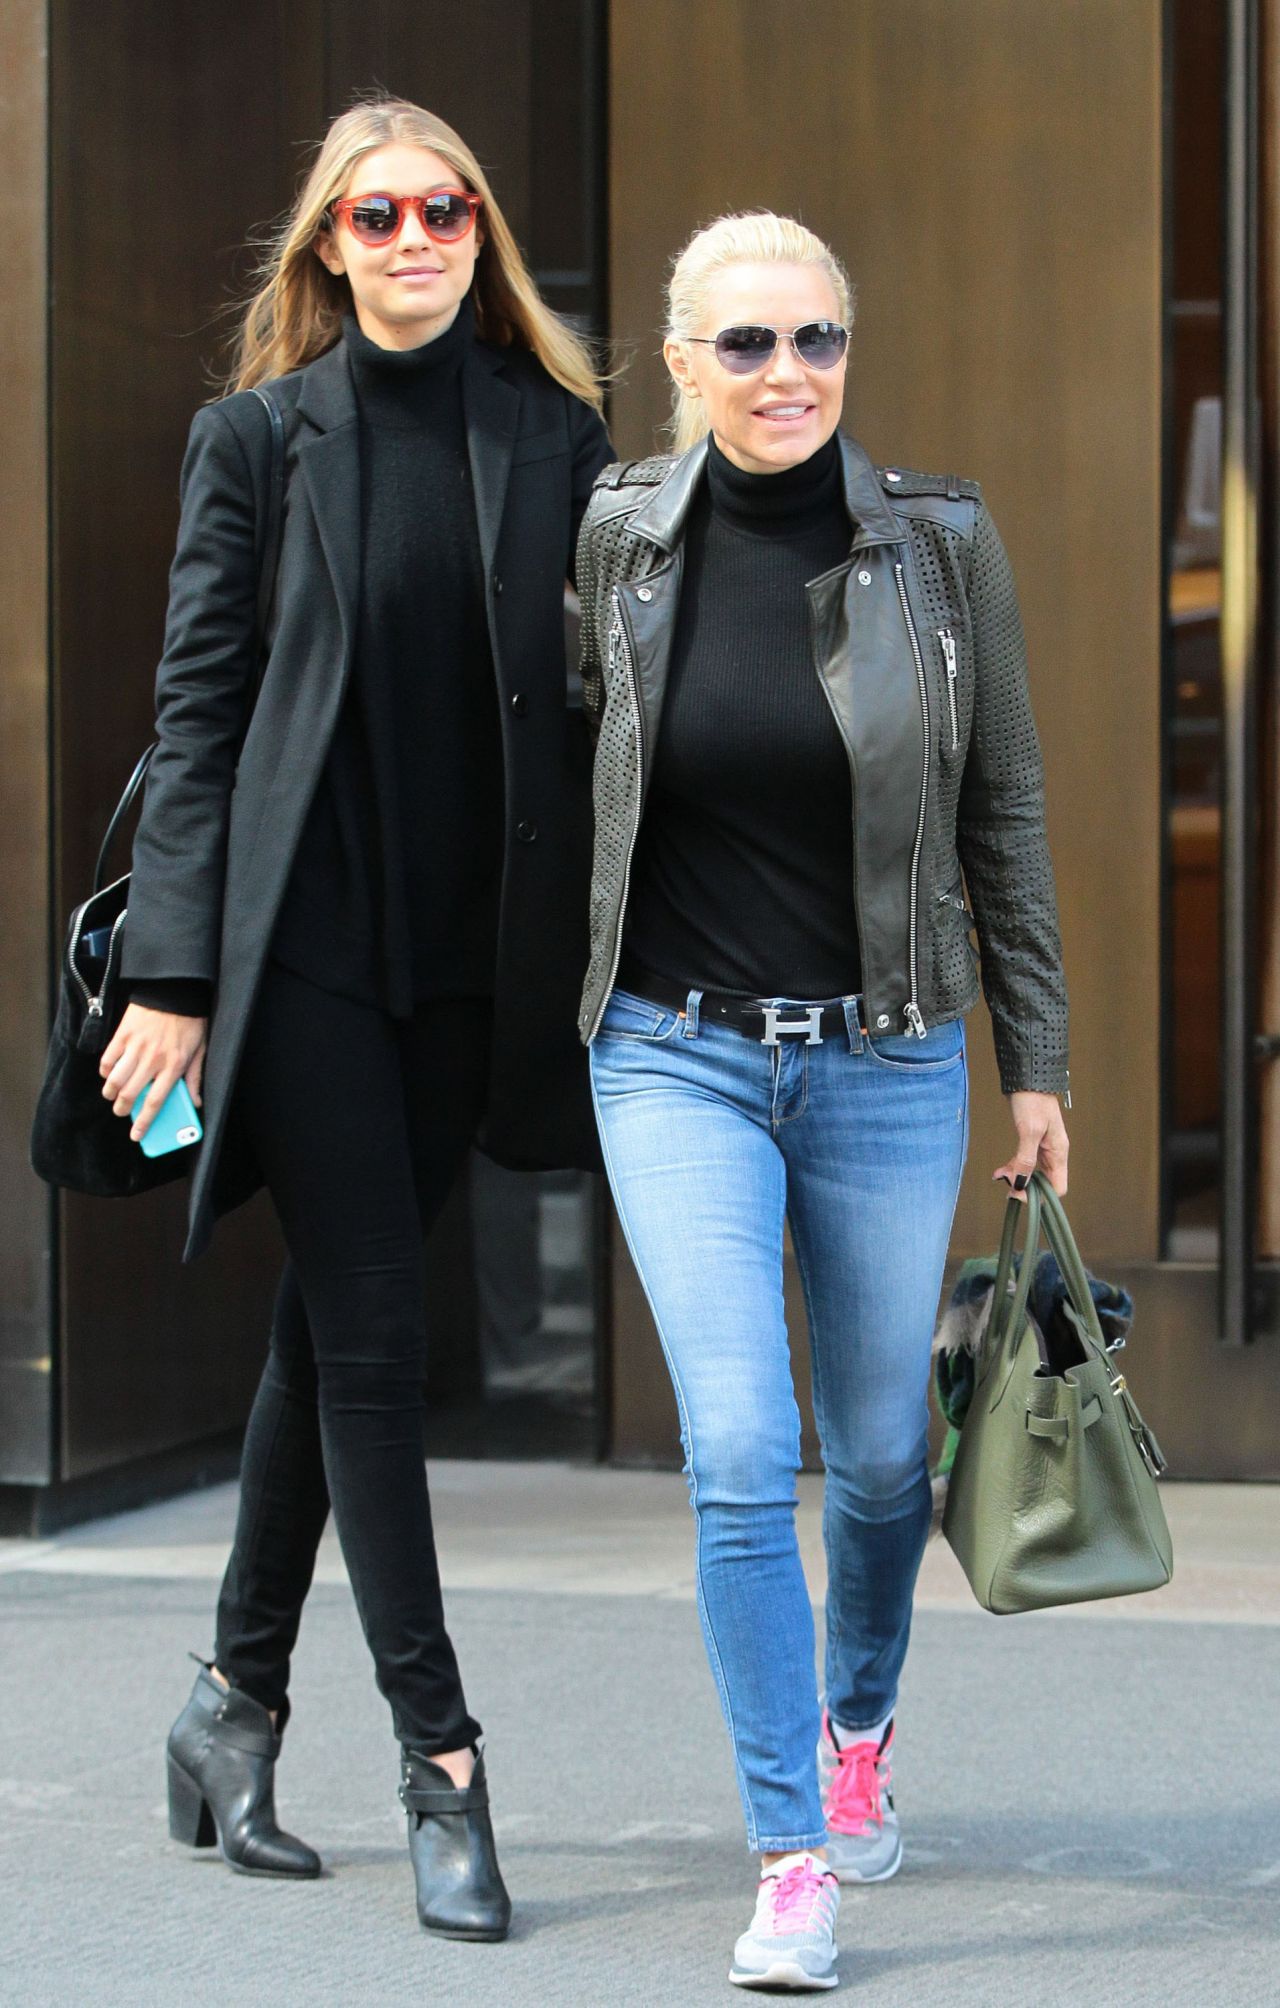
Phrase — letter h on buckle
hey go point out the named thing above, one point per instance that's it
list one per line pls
(775, 1025)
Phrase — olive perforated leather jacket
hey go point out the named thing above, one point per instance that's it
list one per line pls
(918, 642)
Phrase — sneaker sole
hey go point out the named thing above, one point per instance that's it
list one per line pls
(847, 1875)
(785, 1975)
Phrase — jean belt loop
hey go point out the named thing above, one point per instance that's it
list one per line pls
(691, 1010)
(853, 1023)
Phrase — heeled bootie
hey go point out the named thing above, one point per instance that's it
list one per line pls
(222, 1758)
(460, 1889)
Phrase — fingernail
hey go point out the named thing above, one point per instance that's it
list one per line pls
(1021, 1182)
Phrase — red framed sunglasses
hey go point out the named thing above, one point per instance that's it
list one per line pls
(446, 214)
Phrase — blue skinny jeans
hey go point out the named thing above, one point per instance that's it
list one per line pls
(712, 1141)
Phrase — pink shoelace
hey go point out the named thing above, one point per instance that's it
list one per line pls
(853, 1799)
(794, 1897)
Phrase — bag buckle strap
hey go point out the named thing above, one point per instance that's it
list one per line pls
(1142, 1433)
(1058, 1427)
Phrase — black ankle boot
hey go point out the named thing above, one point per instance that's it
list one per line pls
(222, 1759)
(455, 1864)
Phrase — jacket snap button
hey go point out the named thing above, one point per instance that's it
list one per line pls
(889, 475)
(527, 832)
(497, 587)
(864, 578)
(882, 1022)
(644, 594)
(519, 704)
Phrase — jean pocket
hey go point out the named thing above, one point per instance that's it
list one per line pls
(942, 1046)
(629, 1017)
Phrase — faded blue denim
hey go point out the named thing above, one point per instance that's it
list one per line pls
(711, 1140)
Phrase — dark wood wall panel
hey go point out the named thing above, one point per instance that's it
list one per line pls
(168, 140)
(991, 174)
(176, 128)
(26, 1378)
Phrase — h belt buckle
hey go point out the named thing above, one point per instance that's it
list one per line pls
(775, 1025)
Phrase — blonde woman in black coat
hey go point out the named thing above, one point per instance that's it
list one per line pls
(352, 927)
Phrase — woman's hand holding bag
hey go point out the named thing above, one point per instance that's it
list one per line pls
(1042, 1142)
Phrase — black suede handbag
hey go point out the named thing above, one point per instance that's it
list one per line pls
(77, 1139)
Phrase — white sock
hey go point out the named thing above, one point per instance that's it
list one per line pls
(843, 1737)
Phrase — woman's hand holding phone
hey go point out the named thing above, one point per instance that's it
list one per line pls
(155, 1047)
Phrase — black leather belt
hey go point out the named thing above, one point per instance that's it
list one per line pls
(755, 1017)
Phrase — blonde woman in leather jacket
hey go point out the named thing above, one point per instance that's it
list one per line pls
(808, 682)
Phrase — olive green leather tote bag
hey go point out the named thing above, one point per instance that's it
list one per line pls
(1053, 1496)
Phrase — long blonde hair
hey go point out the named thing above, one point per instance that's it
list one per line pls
(757, 237)
(296, 312)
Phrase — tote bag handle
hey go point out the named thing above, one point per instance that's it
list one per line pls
(1046, 1219)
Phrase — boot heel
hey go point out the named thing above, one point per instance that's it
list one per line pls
(190, 1820)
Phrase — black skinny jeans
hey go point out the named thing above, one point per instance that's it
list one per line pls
(360, 1123)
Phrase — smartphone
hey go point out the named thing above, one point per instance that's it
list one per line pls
(176, 1124)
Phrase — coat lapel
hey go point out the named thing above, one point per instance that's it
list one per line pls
(492, 410)
(329, 462)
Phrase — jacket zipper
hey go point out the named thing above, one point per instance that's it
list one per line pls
(93, 1005)
(619, 644)
(948, 641)
(842, 729)
(911, 1011)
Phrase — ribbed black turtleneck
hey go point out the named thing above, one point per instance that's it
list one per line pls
(394, 894)
(743, 878)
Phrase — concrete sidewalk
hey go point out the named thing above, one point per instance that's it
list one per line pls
(1091, 1799)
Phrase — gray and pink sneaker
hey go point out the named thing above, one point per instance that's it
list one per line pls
(791, 1944)
(864, 1843)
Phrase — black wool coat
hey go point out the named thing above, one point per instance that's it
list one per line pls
(225, 805)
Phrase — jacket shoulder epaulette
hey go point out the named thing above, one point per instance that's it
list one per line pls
(636, 473)
(905, 481)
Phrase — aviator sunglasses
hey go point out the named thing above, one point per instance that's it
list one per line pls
(446, 214)
(819, 345)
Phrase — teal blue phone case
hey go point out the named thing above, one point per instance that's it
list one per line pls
(176, 1124)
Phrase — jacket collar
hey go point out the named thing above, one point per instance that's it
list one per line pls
(662, 518)
(327, 398)
(330, 458)
(491, 403)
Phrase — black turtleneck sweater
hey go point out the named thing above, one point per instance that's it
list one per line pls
(394, 893)
(743, 877)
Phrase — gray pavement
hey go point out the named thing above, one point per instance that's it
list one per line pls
(1091, 1800)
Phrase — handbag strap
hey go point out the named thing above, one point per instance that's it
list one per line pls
(1046, 1218)
(268, 567)
(1063, 1243)
(121, 810)
(1058, 1234)
(1009, 1299)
